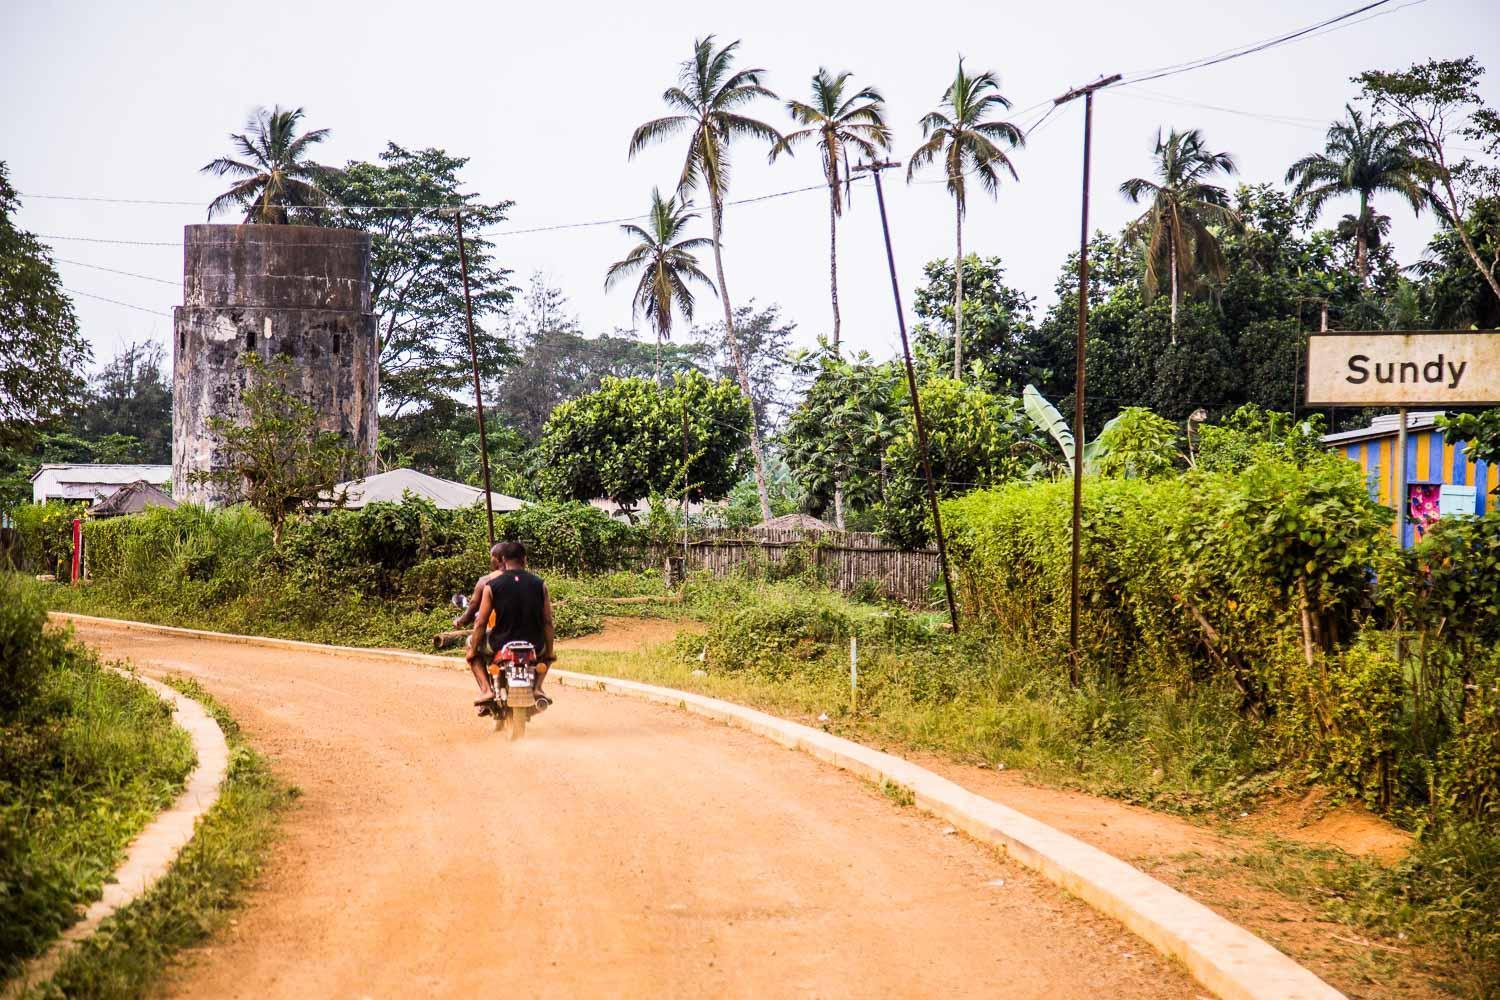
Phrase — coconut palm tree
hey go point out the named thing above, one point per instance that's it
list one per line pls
(277, 181)
(666, 265)
(1364, 158)
(969, 145)
(838, 122)
(1175, 230)
(708, 101)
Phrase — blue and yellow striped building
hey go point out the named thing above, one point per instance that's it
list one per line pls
(1429, 459)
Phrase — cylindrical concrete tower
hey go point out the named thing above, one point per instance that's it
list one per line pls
(298, 291)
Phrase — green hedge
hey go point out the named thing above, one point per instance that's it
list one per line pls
(1281, 582)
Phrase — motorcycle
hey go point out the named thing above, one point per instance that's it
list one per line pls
(513, 680)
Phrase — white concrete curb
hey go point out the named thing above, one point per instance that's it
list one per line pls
(151, 854)
(1227, 959)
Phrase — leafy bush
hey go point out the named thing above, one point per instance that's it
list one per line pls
(44, 534)
(371, 548)
(1137, 444)
(24, 648)
(571, 535)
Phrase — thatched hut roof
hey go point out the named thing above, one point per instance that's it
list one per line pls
(794, 522)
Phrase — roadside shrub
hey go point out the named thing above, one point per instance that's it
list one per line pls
(23, 646)
(571, 535)
(369, 549)
(161, 548)
(44, 533)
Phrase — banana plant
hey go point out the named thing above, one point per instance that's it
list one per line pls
(1046, 418)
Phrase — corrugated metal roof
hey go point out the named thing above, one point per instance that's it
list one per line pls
(444, 493)
(110, 475)
(1385, 425)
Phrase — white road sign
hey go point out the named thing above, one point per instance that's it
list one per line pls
(1436, 368)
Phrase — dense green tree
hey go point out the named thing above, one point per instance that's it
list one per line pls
(131, 397)
(276, 459)
(970, 144)
(416, 281)
(1439, 101)
(708, 102)
(276, 183)
(1363, 158)
(632, 439)
(1176, 232)
(664, 265)
(1451, 292)
(837, 435)
(42, 352)
(975, 439)
(999, 326)
(765, 339)
(837, 120)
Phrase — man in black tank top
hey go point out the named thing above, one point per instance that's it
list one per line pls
(521, 609)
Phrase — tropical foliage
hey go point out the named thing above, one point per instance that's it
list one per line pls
(1176, 232)
(276, 183)
(709, 102)
(634, 438)
(837, 121)
(961, 135)
(1364, 158)
(664, 265)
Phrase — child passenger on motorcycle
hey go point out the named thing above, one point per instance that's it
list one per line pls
(522, 610)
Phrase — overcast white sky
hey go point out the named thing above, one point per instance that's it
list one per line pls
(128, 100)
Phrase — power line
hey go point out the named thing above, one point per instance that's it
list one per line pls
(822, 186)
(128, 274)
(117, 302)
(1261, 46)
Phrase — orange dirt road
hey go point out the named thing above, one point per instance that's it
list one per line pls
(620, 850)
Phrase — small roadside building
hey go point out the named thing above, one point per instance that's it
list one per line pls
(132, 498)
(1441, 480)
(92, 483)
(444, 493)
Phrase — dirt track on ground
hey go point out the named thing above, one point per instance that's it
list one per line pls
(621, 849)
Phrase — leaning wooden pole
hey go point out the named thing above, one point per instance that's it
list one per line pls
(916, 402)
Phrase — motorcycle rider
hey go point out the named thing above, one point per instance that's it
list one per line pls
(472, 607)
(522, 608)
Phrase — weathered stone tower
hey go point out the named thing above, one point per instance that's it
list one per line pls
(298, 291)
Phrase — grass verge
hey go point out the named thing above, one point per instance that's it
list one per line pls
(87, 759)
(133, 947)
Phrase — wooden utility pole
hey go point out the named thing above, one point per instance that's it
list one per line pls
(874, 170)
(484, 441)
(1087, 93)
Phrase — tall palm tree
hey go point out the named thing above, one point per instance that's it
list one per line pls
(1364, 158)
(708, 100)
(666, 265)
(277, 181)
(838, 122)
(1175, 229)
(969, 144)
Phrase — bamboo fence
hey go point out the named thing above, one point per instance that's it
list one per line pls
(844, 560)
